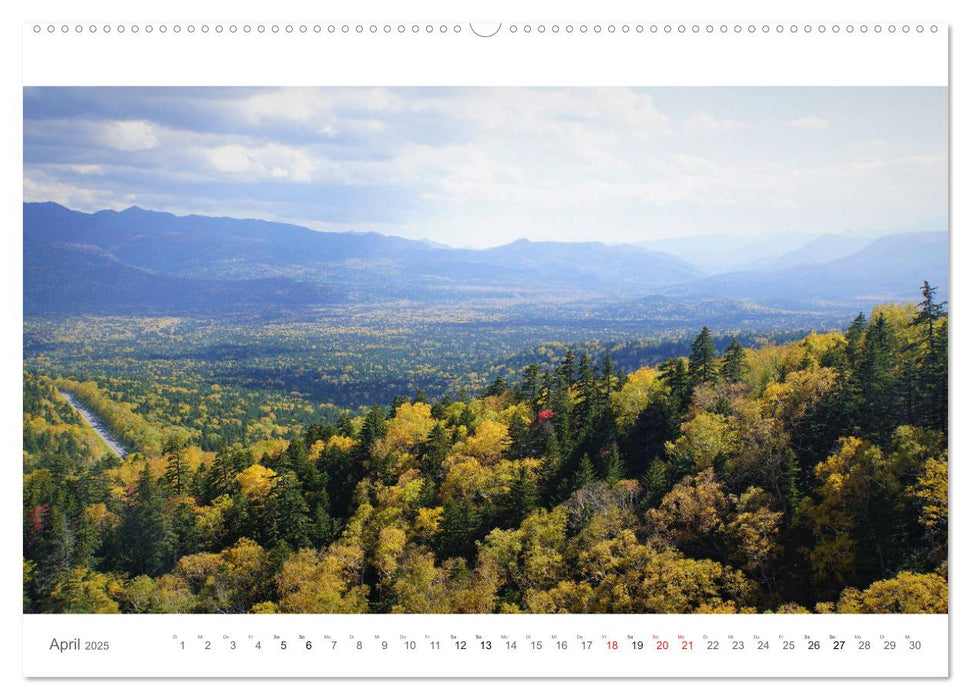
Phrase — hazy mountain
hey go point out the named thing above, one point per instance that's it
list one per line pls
(138, 260)
(79, 278)
(154, 250)
(819, 250)
(718, 253)
(204, 244)
(622, 269)
(890, 268)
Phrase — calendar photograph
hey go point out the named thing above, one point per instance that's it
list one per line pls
(428, 350)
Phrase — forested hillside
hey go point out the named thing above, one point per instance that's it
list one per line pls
(807, 476)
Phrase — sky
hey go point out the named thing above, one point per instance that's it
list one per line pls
(478, 167)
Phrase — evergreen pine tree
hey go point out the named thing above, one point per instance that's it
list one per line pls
(176, 470)
(340, 473)
(467, 418)
(655, 425)
(374, 428)
(550, 468)
(86, 542)
(674, 372)
(144, 536)
(318, 433)
(529, 385)
(432, 453)
(587, 386)
(519, 434)
(583, 475)
(459, 527)
(559, 402)
(931, 370)
(186, 535)
(854, 339)
(614, 467)
(568, 366)
(323, 526)
(656, 482)
(285, 516)
(56, 547)
(703, 358)
(524, 496)
(929, 312)
(732, 361)
(498, 386)
(877, 380)
(296, 458)
(220, 477)
(345, 426)
(608, 377)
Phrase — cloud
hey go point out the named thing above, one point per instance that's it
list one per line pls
(266, 161)
(708, 122)
(39, 188)
(135, 135)
(810, 122)
(493, 164)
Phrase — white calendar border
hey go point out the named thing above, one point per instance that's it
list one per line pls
(438, 52)
(484, 646)
(702, 10)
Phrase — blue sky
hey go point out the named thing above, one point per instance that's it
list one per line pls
(484, 166)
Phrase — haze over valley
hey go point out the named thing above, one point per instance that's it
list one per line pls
(154, 262)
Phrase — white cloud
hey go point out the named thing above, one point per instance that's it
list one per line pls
(136, 135)
(708, 122)
(86, 168)
(499, 163)
(39, 187)
(326, 112)
(810, 122)
(539, 110)
(265, 161)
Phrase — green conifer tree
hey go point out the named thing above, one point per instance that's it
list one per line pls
(702, 362)
(732, 362)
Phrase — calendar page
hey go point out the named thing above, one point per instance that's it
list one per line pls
(446, 348)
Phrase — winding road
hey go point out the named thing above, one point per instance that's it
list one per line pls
(95, 425)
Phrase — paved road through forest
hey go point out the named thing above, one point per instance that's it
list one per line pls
(95, 425)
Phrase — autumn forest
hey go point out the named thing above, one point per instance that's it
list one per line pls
(710, 471)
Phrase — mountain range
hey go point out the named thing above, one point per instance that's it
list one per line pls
(890, 268)
(139, 261)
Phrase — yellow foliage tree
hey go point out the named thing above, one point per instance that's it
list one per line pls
(799, 395)
(81, 590)
(705, 440)
(693, 510)
(490, 441)
(642, 388)
(426, 588)
(327, 582)
(907, 593)
(406, 430)
(256, 482)
(848, 481)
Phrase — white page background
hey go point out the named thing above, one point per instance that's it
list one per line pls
(438, 11)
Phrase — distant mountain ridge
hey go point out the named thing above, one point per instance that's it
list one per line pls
(822, 249)
(890, 268)
(721, 253)
(717, 253)
(139, 261)
(79, 278)
(163, 252)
